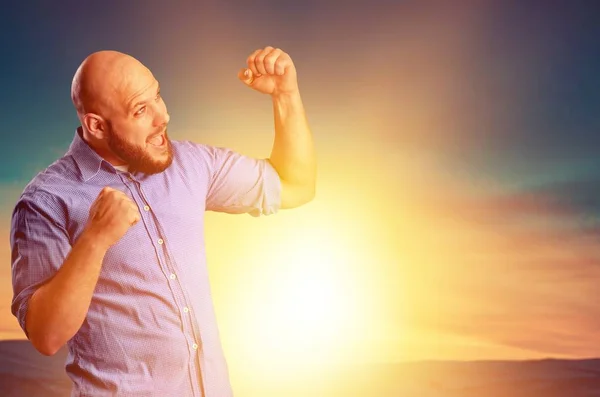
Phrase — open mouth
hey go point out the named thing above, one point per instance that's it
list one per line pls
(158, 140)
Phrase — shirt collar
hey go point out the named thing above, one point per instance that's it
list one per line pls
(88, 161)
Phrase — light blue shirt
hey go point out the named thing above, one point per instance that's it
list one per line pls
(151, 328)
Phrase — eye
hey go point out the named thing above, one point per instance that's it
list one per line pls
(158, 96)
(140, 111)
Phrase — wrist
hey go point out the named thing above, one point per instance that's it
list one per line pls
(287, 104)
(286, 97)
(93, 240)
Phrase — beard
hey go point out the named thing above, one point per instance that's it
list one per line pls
(138, 158)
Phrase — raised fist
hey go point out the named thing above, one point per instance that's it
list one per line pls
(111, 215)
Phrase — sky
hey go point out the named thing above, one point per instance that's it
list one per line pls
(457, 208)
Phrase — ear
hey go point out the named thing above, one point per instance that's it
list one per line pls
(95, 125)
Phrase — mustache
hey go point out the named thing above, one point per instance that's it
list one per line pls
(162, 131)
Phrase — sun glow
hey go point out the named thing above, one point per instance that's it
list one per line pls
(310, 298)
(306, 308)
(304, 304)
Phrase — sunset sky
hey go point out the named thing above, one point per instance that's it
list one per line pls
(458, 201)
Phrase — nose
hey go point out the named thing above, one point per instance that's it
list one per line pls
(161, 117)
(164, 120)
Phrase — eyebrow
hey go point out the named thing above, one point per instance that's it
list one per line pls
(142, 102)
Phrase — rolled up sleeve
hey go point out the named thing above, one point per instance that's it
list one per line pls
(39, 246)
(241, 184)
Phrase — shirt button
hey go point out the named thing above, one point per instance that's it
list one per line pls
(160, 241)
(173, 276)
(195, 346)
(185, 310)
(146, 208)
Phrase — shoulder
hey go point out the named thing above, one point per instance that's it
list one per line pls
(46, 192)
(186, 148)
(54, 177)
(201, 157)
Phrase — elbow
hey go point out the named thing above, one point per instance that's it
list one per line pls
(310, 194)
(46, 346)
(48, 349)
(47, 335)
(307, 190)
(46, 342)
(306, 196)
(296, 195)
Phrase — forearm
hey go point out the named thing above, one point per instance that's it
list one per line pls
(58, 308)
(293, 154)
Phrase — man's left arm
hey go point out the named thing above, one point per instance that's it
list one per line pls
(293, 153)
(271, 71)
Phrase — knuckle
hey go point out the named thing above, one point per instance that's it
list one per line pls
(281, 63)
(253, 55)
(252, 65)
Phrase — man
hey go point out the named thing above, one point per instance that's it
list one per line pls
(107, 242)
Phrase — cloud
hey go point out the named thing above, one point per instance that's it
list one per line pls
(516, 268)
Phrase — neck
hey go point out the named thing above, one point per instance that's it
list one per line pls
(100, 149)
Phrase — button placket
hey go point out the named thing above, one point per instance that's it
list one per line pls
(172, 276)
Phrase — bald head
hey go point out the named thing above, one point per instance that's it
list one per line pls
(123, 117)
(102, 80)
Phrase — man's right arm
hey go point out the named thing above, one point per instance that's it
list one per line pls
(57, 308)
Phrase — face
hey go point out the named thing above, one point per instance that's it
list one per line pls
(152, 158)
(137, 131)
